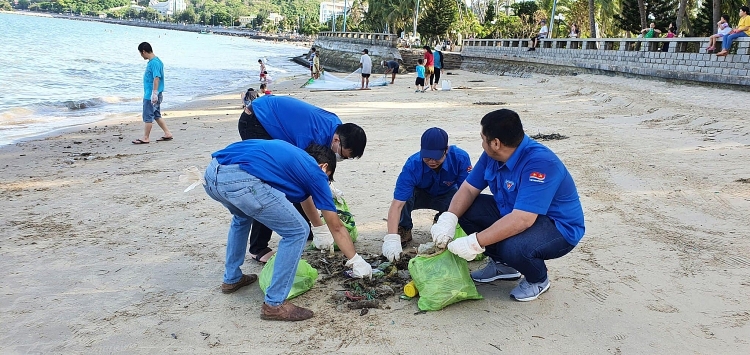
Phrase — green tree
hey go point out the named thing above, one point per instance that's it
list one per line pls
(437, 17)
(489, 15)
(629, 18)
(664, 12)
(525, 9)
(188, 16)
(24, 4)
(5, 5)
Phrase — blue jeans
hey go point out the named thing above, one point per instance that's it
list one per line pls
(420, 200)
(248, 199)
(526, 251)
(726, 41)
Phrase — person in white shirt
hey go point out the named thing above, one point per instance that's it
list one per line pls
(542, 34)
(722, 29)
(365, 63)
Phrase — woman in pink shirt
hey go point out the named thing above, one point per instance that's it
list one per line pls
(429, 64)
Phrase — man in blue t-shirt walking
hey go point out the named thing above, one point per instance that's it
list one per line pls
(428, 180)
(153, 86)
(533, 214)
(258, 180)
(301, 124)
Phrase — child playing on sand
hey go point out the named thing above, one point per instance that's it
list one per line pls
(248, 97)
(420, 76)
(264, 90)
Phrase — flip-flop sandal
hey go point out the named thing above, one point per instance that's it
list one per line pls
(162, 139)
(262, 253)
(138, 141)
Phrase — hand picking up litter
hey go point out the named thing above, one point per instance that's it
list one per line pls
(392, 247)
(467, 248)
(444, 230)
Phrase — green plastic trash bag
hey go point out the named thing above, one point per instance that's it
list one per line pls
(303, 280)
(460, 234)
(346, 218)
(442, 280)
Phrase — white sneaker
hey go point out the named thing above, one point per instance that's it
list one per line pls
(527, 291)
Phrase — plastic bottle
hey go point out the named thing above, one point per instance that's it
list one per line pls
(410, 289)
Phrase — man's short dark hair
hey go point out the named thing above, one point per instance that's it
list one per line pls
(352, 137)
(505, 125)
(323, 155)
(312, 49)
(365, 51)
(427, 48)
(145, 47)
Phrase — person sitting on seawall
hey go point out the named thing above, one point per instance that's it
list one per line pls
(534, 213)
(301, 124)
(428, 180)
(258, 180)
(670, 34)
(742, 30)
(573, 31)
(651, 31)
(723, 28)
(543, 32)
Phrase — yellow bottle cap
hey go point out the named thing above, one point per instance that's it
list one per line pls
(410, 290)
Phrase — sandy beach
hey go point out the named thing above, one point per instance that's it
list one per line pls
(102, 251)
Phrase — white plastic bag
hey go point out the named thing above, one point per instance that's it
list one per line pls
(446, 85)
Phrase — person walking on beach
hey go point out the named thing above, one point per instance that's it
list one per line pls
(429, 64)
(742, 30)
(153, 86)
(262, 69)
(301, 124)
(428, 180)
(365, 63)
(258, 180)
(534, 213)
(311, 59)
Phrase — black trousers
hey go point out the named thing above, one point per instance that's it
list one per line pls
(250, 128)
(436, 76)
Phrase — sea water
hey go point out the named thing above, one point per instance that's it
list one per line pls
(57, 73)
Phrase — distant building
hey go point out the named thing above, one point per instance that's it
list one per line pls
(330, 9)
(275, 18)
(169, 7)
(244, 20)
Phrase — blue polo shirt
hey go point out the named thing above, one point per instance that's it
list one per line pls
(533, 180)
(416, 174)
(295, 121)
(283, 166)
(154, 69)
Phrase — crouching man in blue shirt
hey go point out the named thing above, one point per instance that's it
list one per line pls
(259, 180)
(533, 214)
(429, 179)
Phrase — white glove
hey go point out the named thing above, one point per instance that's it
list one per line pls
(360, 268)
(466, 247)
(444, 229)
(337, 194)
(322, 238)
(154, 97)
(392, 247)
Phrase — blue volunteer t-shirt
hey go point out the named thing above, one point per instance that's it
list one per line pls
(533, 180)
(154, 69)
(283, 166)
(420, 71)
(416, 174)
(295, 121)
(438, 59)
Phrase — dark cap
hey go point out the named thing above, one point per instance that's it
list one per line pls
(434, 143)
(365, 51)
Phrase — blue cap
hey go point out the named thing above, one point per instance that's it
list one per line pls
(434, 143)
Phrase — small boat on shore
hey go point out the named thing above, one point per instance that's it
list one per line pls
(204, 32)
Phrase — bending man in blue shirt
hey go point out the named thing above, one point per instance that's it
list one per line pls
(301, 124)
(533, 214)
(258, 180)
(429, 179)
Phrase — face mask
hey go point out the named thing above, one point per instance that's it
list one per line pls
(339, 158)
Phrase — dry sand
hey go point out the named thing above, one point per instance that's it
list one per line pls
(108, 255)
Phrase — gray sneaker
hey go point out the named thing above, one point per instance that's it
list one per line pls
(527, 291)
(495, 271)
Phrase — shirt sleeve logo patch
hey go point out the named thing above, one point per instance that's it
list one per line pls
(509, 185)
(468, 170)
(537, 177)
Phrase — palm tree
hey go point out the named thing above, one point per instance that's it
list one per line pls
(592, 20)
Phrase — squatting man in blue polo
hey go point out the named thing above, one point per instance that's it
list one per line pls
(429, 179)
(534, 213)
(258, 180)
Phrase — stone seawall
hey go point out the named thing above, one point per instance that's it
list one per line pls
(684, 59)
(340, 51)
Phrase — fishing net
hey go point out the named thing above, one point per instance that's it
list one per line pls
(330, 82)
